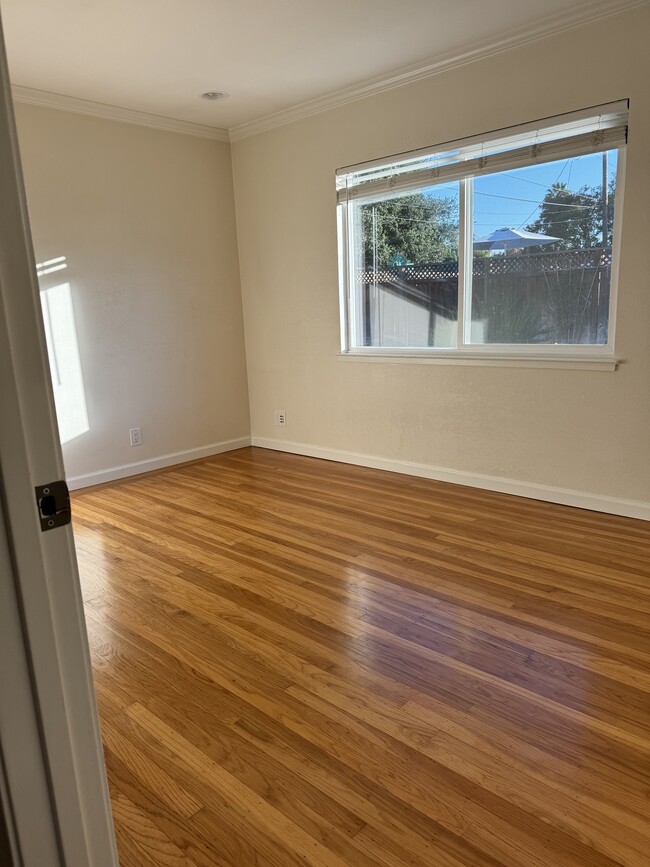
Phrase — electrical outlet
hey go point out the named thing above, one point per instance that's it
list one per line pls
(280, 418)
(135, 435)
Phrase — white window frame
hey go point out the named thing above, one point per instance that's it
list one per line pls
(580, 356)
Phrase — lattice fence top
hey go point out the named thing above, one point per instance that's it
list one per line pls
(525, 263)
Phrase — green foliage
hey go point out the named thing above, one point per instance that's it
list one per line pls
(574, 217)
(422, 228)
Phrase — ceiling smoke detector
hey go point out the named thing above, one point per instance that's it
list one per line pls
(214, 95)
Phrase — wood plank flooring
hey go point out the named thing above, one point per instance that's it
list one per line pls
(306, 664)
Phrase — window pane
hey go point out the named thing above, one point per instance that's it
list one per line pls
(542, 252)
(406, 269)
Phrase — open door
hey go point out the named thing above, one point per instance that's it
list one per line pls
(54, 804)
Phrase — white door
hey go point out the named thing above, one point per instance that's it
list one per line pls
(53, 792)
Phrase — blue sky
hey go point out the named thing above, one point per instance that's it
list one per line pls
(512, 199)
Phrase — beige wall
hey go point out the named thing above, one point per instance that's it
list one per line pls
(583, 430)
(146, 220)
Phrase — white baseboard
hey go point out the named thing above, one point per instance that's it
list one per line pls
(564, 496)
(122, 472)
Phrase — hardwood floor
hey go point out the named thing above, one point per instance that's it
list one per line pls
(306, 663)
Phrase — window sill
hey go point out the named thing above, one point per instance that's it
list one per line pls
(592, 361)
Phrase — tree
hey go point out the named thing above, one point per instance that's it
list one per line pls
(611, 194)
(419, 227)
(576, 218)
(569, 216)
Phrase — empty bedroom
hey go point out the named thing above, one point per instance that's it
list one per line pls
(325, 434)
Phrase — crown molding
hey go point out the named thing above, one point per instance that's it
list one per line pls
(587, 13)
(45, 99)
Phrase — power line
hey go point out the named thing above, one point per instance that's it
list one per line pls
(483, 213)
(550, 187)
(533, 202)
(540, 204)
(555, 223)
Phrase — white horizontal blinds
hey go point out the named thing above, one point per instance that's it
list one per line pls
(553, 141)
(592, 142)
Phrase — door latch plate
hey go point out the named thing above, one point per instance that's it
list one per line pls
(53, 503)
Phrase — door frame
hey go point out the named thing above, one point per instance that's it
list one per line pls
(52, 774)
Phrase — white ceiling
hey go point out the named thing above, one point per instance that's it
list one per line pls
(156, 56)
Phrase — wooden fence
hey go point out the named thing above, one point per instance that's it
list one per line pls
(540, 297)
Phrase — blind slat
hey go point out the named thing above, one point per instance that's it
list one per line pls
(594, 141)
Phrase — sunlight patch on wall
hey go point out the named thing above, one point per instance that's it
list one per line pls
(49, 267)
(63, 353)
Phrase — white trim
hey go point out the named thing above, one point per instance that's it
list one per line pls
(587, 13)
(344, 270)
(45, 577)
(125, 470)
(531, 490)
(617, 233)
(483, 358)
(465, 262)
(59, 101)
